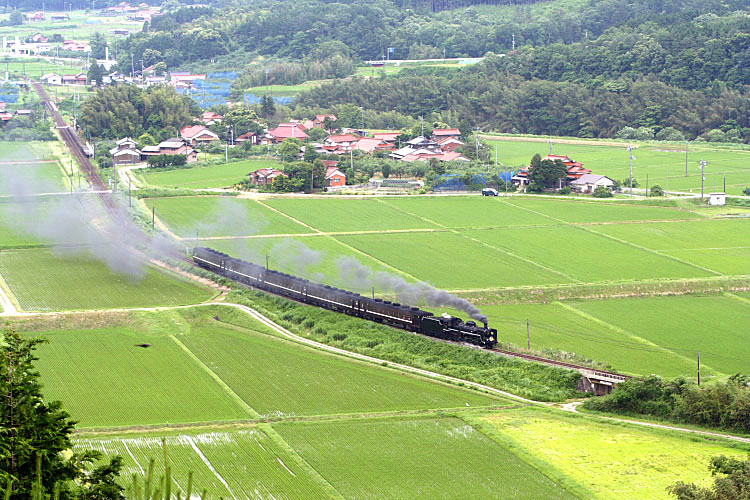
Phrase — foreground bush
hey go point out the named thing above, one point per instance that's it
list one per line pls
(719, 405)
(732, 482)
(531, 380)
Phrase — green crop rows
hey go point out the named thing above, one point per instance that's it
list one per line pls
(478, 245)
(43, 280)
(416, 458)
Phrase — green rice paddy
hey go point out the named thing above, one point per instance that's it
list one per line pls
(206, 177)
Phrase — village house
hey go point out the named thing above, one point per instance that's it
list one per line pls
(446, 133)
(575, 170)
(265, 176)
(35, 17)
(449, 144)
(5, 116)
(184, 79)
(210, 117)
(318, 121)
(119, 32)
(285, 131)
(198, 135)
(172, 146)
(79, 79)
(39, 38)
(126, 152)
(51, 79)
(60, 16)
(389, 137)
(588, 183)
(23, 112)
(335, 177)
(340, 144)
(76, 46)
(250, 137)
(370, 145)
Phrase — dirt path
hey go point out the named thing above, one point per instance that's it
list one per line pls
(573, 408)
(555, 140)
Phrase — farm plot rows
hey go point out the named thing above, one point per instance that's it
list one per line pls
(206, 216)
(240, 464)
(206, 177)
(416, 458)
(47, 280)
(608, 461)
(186, 366)
(23, 171)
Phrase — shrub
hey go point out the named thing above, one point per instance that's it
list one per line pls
(602, 192)
(566, 190)
(656, 190)
(746, 191)
(669, 134)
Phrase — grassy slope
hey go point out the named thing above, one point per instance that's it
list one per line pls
(68, 282)
(261, 369)
(212, 176)
(613, 461)
(370, 460)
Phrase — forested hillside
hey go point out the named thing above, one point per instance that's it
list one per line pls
(588, 68)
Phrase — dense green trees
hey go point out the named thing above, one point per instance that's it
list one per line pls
(545, 174)
(128, 111)
(719, 404)
(732, 482)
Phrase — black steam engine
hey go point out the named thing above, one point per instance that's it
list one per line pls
(382, 311)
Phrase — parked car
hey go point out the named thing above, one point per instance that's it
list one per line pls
(489, 192)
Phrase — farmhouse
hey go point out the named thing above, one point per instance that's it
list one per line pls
(51, 79)
(250, 137)
(370, 145)
(126, 152)
(340, 144)
(76, 46)
(265, 176)
(575, 170)
(60, 16)
(588, 183)
(198, 135)
(335, 177)
(211, 117)
(320, 119)
(172, 146)
(34, 17)
(285, 131)
(446, 133)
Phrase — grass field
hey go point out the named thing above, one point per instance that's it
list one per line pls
(664, 164)
(416, 458)
(206, 216)
(241, 464)
(611, 461)
(212, 176)
(81, 26)
(75, 281)
(28, 168)
(197, 368)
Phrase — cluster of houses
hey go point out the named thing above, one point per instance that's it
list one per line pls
(6, 116)
(334, 178)
(579, 179)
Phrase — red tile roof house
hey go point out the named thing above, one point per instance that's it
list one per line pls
(335, 177)
(575, 170)
(250, 137)
(319, 119)
(449, 144)
(340, 143)
(370, 145)
(265, 176)
(210, 117)
(125, 152)
(285, 131)
(442, 133)
(198, 135)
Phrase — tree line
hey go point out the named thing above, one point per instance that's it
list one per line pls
(487, 96)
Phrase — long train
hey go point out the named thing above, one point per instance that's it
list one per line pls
(382, 311)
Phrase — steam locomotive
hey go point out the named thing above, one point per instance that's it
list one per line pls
(382, 311)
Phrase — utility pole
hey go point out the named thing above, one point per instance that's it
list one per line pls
(550, 146)
(725, 182)
(703, 177)
(266, 262)
(528, 335)
(699, 368)
(495, 155)
(630, 154)
(153, 217)
(686, 157)
(513, 43)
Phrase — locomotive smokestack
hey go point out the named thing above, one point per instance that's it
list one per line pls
(485, 323)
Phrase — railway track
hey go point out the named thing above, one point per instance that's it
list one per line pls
(604, 375)
(73, 142)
